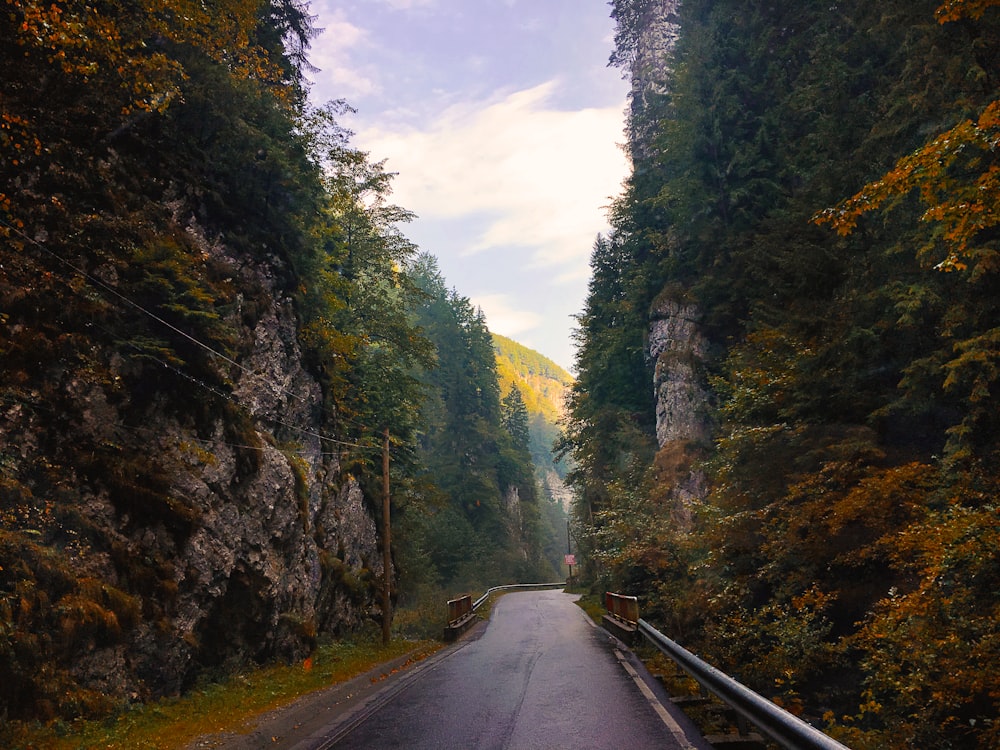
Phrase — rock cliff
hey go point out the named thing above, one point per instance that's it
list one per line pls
(677, 346)
(657, 34)
(679, 350)
(163, 520)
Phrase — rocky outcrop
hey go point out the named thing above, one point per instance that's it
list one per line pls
(555, 487)
(514, 517)
(679, 350)
(165, 519)
(283, 546)
(659, 30)
(677, 347)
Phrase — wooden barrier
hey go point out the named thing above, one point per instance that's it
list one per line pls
(460, 617)
(459, 608)
(624, 608)
(622, 619)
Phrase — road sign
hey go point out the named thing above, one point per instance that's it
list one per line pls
(570, 559)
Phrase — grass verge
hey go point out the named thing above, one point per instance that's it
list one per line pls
(225, 706)
(593, 605)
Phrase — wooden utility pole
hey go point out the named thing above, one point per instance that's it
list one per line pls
(386, 545)
(569, 554)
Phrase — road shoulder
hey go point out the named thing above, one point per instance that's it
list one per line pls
(314, 720)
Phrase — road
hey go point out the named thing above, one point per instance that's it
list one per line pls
(540, 676)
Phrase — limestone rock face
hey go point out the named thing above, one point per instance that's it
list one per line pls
(677, 346)
(556, 488)
(192, 516)
(678, 349)
(282, 547)
(650, 71)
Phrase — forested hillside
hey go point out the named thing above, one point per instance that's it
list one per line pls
(832, 360)
(209, 317)
(543, 386)
(479, 519)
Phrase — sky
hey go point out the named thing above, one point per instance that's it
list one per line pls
(505, 128)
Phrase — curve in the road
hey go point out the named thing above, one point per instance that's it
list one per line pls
(539, 677)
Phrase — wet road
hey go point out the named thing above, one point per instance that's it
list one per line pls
(540, 676)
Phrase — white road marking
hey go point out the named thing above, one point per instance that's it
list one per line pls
(654, 702)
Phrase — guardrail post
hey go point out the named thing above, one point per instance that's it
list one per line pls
(459, 616)
(459, 608)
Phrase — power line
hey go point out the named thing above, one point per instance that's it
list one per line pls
(234, 400)
(107, 287)
(187, 438)
(95, 281)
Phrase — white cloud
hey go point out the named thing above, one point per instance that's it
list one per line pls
(502, 317)
(331, 53)
(543, 176)
(407, 4)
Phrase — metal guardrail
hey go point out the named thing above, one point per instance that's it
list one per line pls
(776, 723)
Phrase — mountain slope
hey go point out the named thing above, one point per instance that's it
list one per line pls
(544, 386)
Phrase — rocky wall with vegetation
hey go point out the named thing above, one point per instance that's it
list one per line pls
(180, 492)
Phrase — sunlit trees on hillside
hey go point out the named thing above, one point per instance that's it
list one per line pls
(483, 523)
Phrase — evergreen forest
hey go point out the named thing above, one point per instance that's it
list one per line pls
(815, 185)
(782, 436)
(542, 386)
(211, 325)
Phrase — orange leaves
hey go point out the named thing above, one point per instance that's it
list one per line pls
(223, 30)
(127, 43)
(939, 173)
(956, 176)
(926, 648)
(15, 134)
(74, 36)
(957, 541)
(882, 502)
(953, 10)
(17, 141)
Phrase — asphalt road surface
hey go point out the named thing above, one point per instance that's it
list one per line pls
(540, 676)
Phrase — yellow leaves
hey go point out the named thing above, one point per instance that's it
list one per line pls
(128, 42)
(976, 365)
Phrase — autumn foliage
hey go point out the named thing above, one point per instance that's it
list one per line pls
(203, 282)
(842, 557)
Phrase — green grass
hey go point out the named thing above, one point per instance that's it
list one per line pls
(593, 605)
(226, 706)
